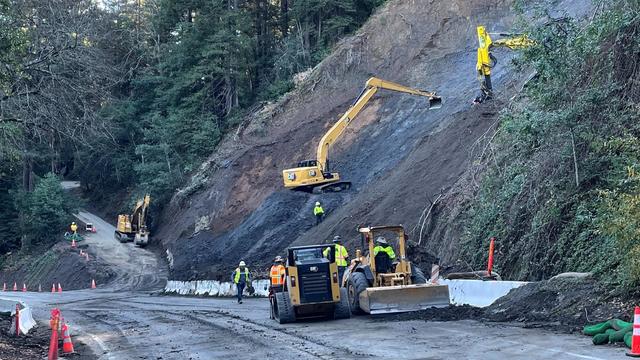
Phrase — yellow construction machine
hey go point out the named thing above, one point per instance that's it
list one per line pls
(312, 288)
(486, 60)
(315, 175)
(134, 227)
(377, 285)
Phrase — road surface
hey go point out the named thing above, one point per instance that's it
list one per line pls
(128, 319)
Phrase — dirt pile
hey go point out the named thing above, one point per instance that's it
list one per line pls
(60, 264)
(565, 305)
(34, 345)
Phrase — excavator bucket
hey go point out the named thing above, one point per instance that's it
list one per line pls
(435, 102)
(404, 298)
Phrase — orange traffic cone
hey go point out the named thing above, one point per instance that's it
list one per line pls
(59, 288)
(73, 243)
(93, 283)
(53, 288)
(67, 345)
(24, 287)
(15, 287)
(635, 339)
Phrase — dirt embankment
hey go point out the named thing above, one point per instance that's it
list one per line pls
(399, 156)
(59, 264)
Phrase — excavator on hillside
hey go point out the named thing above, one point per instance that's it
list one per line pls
(315, 175)
(486, 60)
(134, 227)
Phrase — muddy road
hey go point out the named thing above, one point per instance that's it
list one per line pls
(129, 319)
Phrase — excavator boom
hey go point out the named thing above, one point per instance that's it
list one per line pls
(315, 174)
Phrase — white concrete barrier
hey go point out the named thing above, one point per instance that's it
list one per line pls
(478, 292)
(26, 317)
(214, 288)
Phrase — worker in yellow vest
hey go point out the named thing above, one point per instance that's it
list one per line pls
(241, 278)
(342, 256)
(318, 212)
(74, 227)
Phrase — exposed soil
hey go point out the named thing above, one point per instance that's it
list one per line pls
(34, 345)
(398, 154)
(564, 305)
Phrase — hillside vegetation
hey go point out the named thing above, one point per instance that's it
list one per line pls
(561, 186)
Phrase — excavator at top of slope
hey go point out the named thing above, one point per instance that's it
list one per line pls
(315, 175)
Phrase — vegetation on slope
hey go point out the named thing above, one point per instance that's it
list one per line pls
(562, 187)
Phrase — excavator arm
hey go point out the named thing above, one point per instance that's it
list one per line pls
(312, 174)
(371, 88)
(486, 61)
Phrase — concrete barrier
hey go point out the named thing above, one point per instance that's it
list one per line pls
(478, 292)
(26, 317)
(214, 288)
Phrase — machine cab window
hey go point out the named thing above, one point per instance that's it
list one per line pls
(308, 163)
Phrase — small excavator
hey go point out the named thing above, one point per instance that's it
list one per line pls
(134, 227)
(486, 60)
(315, 175)
(375, 285)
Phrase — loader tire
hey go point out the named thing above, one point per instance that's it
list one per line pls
(342, 309)
(417, 276)
(284, 310)
(357, 283)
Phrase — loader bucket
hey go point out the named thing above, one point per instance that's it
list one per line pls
(394, 299)
(435, 102)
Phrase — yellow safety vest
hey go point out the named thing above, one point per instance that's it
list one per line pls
(341, 255)
(277, 275)
(318, 210)
(74, 227)
(236, 278)
(388, 250)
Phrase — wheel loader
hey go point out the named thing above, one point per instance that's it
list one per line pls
(312, 288)
(134, 227)
(376, 285)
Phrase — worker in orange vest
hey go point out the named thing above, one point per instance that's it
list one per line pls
(277, 274)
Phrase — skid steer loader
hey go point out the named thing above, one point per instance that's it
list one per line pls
(375, 285)
(311, 288)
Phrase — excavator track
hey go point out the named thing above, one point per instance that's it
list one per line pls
(333, 187)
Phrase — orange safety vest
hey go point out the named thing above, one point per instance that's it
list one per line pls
(277, 275)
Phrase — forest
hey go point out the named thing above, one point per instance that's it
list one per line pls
(129, 96)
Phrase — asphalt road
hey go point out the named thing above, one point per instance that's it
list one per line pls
(128, 319)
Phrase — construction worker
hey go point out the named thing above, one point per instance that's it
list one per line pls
(318, 211)
(277, 274)
(241, 278)
(342, 256)
(384, 255)
(74, 227)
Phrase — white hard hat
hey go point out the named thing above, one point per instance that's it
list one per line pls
(317, 203)
(242, 263)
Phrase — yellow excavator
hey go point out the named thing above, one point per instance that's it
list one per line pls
(486, 60)
(315, 175)
(377, 284)
(134, 227)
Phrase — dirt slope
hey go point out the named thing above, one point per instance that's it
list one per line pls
(398, 155)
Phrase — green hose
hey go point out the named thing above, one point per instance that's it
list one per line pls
(601, 339)
(596, 329)
(618, 336)
(627, 339)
